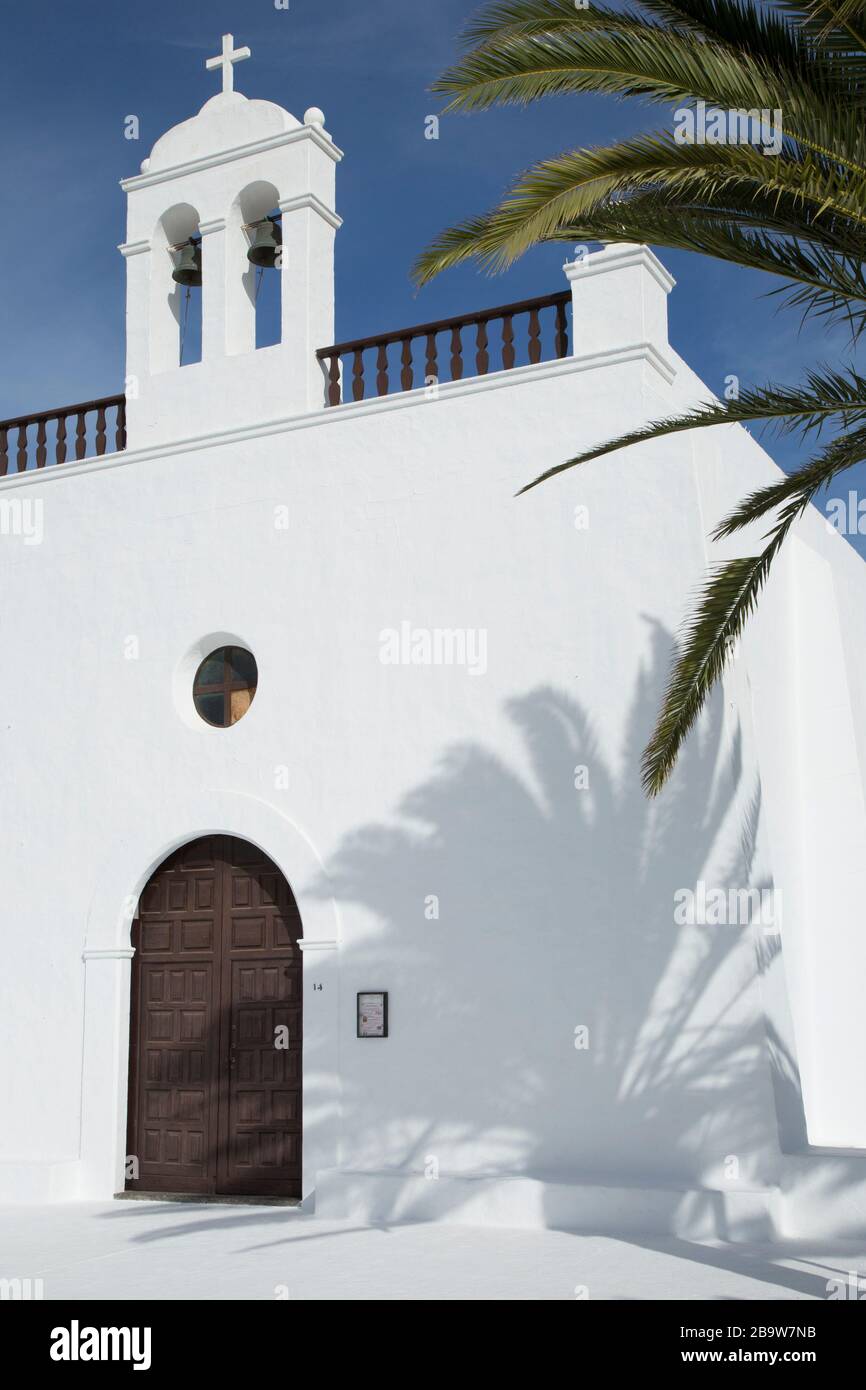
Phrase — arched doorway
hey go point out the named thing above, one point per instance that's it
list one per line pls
(216, 1026)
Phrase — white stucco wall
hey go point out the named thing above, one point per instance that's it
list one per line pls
(555, 904)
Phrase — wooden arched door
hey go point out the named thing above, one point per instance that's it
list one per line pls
(216, 1026)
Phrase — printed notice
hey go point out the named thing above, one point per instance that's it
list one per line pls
(373, 1015)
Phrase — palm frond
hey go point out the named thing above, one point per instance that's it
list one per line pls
(706, 641)
(823, 397)
(838, 30)
(659, 64)
(803, 484)
(820, 279)
(798, 195)
(830, 282)
(765, 32)
(730, 594)
(797, 211)
(526, 17)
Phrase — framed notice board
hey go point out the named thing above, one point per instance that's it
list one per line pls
(373, 1014)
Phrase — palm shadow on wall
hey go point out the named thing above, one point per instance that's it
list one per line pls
(556, 912)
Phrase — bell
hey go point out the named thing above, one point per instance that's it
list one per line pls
(266, 244)
(188, 269)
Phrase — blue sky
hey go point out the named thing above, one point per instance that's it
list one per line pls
(74, 71)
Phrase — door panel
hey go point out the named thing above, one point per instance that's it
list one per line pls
(178, 1072)
(214, 1095)
(263, 1120)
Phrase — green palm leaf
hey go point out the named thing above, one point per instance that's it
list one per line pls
(823, 398)
(711, 631)
(648, 61)
(798, 214)
(559, 193)
(801, 486)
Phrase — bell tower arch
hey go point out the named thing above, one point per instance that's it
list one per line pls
(248, 227)
(178, 226)
(214, 177)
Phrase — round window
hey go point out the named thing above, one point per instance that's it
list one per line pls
(224, 686)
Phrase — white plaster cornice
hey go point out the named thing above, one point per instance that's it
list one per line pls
(619, 257)
(317, 945)
(309, 200)
(134, 248)
(209, 161)
(114, 953)
(377, 405)
(213, 224)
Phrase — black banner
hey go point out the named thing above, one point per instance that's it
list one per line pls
(145, 1338)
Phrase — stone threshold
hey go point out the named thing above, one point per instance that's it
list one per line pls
(207, 1199)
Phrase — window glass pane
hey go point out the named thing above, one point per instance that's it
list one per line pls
(212, 669)
(240, 703)
(243, 665)
(211, 708)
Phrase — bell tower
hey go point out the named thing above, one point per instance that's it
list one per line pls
(242, 185)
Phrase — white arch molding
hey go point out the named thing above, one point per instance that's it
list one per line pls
(136, 853)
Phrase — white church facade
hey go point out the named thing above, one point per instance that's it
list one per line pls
(327, 871)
